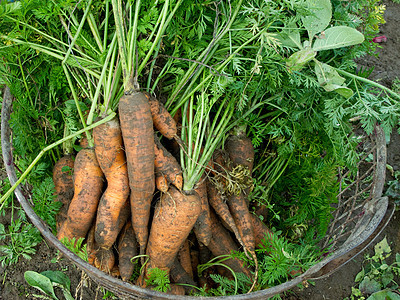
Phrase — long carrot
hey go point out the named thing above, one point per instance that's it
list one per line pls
(127, 248)
(162, 119)
(202, 227)
(179, 275)
(138, 136)
(223, 244)
(260, 230)
(111, 158)
(184, 258)
(88, 184)
(167, 165)
(64, 186)
(174, 218)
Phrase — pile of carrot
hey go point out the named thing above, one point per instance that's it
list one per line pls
(129, 205)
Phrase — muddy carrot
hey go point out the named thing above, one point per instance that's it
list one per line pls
(161, 182)
(162, 119)
(179, 275)
(202, 227)
(88, 184)
(64, 186)
(174, 218)
(138, 136)
(127, 249)
(167, 165)
(185, 259)
(111, 157)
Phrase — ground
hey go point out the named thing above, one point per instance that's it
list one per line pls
(337, 286)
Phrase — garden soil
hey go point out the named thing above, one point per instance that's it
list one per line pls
(337, 286)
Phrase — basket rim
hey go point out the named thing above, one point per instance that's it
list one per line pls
(321, 269)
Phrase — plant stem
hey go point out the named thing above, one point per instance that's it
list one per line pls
(51, 146)
(366, 80)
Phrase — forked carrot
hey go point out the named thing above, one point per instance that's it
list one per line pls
(111, 157)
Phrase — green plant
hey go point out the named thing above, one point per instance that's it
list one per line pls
(376, 280)
(393, 188)
(158, 280)
(47, 280)
(19, 240)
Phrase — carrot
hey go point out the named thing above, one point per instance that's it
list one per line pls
(179, 275)
(240, 149)
(88, 184)
(104, 260)
(174, 218)
(91, 247)
(111, 157)
(185, 259)
(64, 186)
(221, 208)
(260, 230)
(166, 164)
(176, 290)
(222, 244)
(161, 182)
(202, 227)
(138, 136)
(162, 119)
(127, 248)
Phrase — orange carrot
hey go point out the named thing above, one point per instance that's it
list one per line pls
(185, 259)
(127, 249)
(167, 165)
(174, 218)
(104, 260)
(240, 149)
(202, 227)
(64, 186)
(111, 158)
(162, 119)
(138, 136)
(161, 182)
(88, 184)
(260, 230)
(222, 244)
(179, 275)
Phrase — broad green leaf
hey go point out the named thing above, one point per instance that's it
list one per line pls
(330, 80)
(360, 275)
(369, 286)
(319, 18)
(40, 282)
(387, 278)
(384, 295)
(290, 37)
(338, 37)
(299, 59)
(382, 247)
(58, 277)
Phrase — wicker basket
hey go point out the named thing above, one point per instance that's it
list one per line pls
(361, 214)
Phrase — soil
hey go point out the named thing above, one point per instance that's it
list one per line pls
(336, 286)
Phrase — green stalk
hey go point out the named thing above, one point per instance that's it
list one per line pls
(95, 32)
(375, 84)
(78, 32)
(105, 37)
(100, 82)
(133, 40)
(24, 80)
(118, 17)
(51, 146)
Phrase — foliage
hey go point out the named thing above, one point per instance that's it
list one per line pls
(393, 188)
(376, 278)
(158, 280)
(19, 240)
(76, 247)
(47, 280)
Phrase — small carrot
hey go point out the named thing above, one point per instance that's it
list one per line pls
(127, 249)
(88, 185)
(162, 119)
(104, 260)
(64, 186)
(111, 157)
(174, 218)
(138, 136)
(166, 164)
(161, 182)
(202, 227)
(240, 149)
(260, 230)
